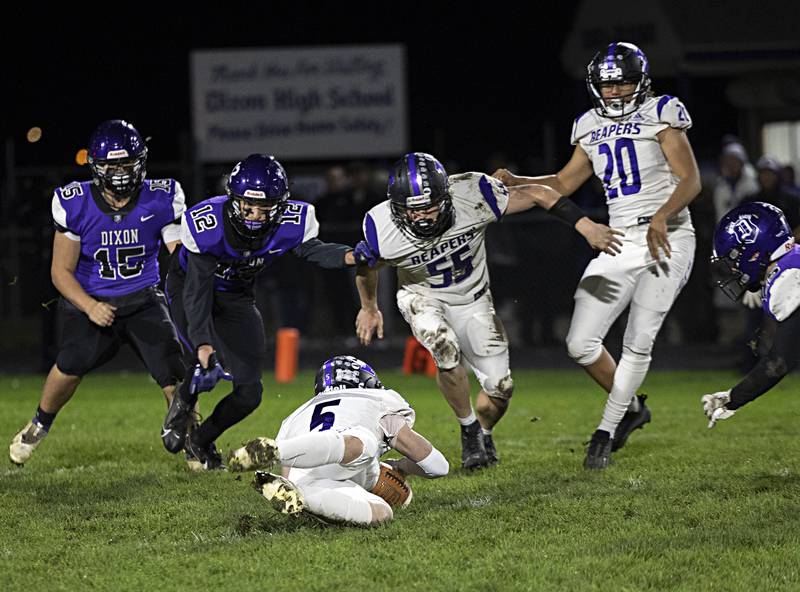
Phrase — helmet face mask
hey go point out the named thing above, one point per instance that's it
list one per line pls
(419, 196)
(619, 64)
(117, 157)
(345, 372)
(258, 192)
(746, 241)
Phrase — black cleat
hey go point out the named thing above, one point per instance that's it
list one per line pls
(491, 451)
(631, 421)
(179, 415)
(598, 453)
(207, 456)
(473, 451)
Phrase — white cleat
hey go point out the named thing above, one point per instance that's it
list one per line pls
(279, 492)
(714, 407)
(25, 442)
(261, 453)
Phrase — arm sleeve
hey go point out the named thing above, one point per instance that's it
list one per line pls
(781, 359)
(326, 255)
(198, 297)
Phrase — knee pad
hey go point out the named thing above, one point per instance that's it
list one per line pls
(500, 389)
(248, 396)
(584, 350)
(443, 345)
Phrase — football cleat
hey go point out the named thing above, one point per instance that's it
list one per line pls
(632, 420)
(207, 456)
(473, 451)
(25, 442)
(714, 407)
(598, 453)
(491, 450)
(261, 453)
(176, 423)
(279, 492)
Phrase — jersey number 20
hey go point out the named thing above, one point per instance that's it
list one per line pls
(628, 184)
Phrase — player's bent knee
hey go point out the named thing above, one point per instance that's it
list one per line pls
(380, 513)
(583, 350)
(500, 390)
(248, 396)
(70, 366)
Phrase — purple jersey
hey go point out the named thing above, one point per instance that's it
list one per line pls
(119, 249)
(203, 232)
(782, 290)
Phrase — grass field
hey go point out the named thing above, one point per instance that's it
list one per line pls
(101, 506)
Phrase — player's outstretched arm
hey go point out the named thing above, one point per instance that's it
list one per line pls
(565, 182)
(369, 320)
(62, 271)
(420, 457)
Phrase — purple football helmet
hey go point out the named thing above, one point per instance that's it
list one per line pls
(117, 156)
(746, 241)
(257, 181)
(344, 372)
(419, 182)
(619, 63)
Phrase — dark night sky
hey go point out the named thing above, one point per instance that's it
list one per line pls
(487, 79)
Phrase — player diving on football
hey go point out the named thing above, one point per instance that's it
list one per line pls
(432, 229)
(227, 240)
(329, 449)
(636, 143)
(105, 265)
(755, 251)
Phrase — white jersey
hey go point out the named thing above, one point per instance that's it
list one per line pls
(347, 408)
(451, 267)
(627, 157)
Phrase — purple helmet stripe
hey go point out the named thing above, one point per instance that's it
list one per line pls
(413, 174)
(327, 374)
(612, 49)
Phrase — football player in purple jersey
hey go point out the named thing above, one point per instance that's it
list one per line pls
(227, 240)
(105, 265)
(754, 250)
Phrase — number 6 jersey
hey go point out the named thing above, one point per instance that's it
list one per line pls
(627, 157)
(452, 266)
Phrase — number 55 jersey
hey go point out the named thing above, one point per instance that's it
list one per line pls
(627, 157)
(451, 267)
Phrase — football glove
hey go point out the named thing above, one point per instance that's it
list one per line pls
(364, 255)
(752, 299)
(714, 407)
(205, 379)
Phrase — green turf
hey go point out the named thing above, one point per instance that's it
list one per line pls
(101, 506)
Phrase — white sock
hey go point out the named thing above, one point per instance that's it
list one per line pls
(468, 420)
(312, 450)
(629, 376)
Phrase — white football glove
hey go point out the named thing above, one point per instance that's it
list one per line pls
(714, 407)
(752, 299)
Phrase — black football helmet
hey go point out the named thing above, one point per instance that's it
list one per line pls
(345, 372)
(418, 182)
(621, 63)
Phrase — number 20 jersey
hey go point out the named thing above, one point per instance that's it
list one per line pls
(627, 157)
(451, 267)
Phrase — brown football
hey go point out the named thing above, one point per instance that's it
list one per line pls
(392, 487)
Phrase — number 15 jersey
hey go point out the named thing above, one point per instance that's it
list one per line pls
(451, 267)
(627, 157)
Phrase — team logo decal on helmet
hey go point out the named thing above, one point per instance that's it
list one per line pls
(619, 63)
(746, 241)
(117, 156)
(345, 372)
(259, 182)
(417, 183)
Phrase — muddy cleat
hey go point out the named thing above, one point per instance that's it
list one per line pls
(176, 423)
(206, 456)
(598, 453)
(491, 451)
(473, 451)
(261, 453)
(280, 492)
(632, 420)
(25, 442)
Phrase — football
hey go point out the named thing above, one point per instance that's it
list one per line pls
(392, 487)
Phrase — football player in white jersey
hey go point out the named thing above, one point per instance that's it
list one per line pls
(636, 144)
(432, 229)
(330, 447)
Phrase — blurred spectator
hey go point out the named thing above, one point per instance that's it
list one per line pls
(771, 190)
(736, 181)
(788, 179)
